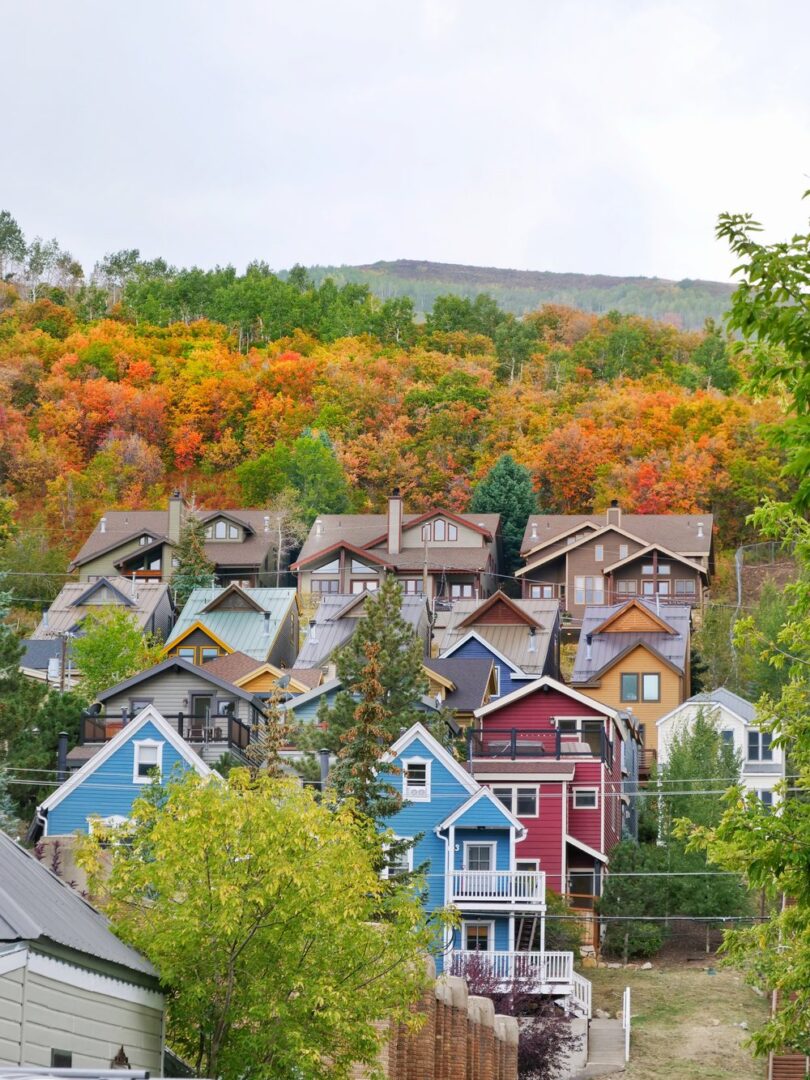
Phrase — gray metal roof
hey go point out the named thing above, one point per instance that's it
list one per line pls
(335, 622)
(36, 907)
(744, 709)
(183, 665)
(470, 676)
(64, 613)
(512, 640)
(245, 631)
(606, 648)
(678, 532)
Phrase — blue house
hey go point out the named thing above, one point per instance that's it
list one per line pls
(469, 843)
(107, 785)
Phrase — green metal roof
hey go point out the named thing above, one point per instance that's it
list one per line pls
(242, 631)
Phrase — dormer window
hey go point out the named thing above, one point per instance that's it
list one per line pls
(328, 568)
(440, 530)
(145, 539)
(221, 530)
(416, 780)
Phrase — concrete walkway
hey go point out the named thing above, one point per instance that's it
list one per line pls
(605, 1049)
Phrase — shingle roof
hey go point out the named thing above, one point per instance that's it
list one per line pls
(471, 677)
(37, 653)
(329, 630)
(484, 767)
(36, 907)
(242, 631)
(679, 532)
(607, 647)
(232, 666)
(123, 525)
(511, 640)
(744, 709)
(63, 613)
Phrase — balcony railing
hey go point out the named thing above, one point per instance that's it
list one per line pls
(519, 887)
(646, 761)
(514, 743)
(207, 729)
(549, 973)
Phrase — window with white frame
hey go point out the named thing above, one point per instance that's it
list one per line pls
(589, 589)
(479, 856)
(586, 798)
(439, 529)
(727, 735)
(328, 568)
(479, 936)
(599, 552)
(398, 862)
(148, 760)
(459, 591)
(520, 799)
(542, 592)
(366, 585)
(527, 866)
(765, 796)
(759, 746)
(416, 780)
(624, 551)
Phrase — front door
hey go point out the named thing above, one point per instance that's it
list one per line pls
(201, 707)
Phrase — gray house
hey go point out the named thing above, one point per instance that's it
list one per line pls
(71, 994)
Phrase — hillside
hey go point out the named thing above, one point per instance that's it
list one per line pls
(686, 304)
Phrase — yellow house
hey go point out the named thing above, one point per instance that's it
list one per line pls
(255, 677)
(635, 658)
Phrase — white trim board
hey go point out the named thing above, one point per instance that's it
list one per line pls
(552, 684)
(62, 972)
(418, 731)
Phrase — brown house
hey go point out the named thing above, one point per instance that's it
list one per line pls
(140, 544)
(436, 554)
(634, 657)
(585, 559)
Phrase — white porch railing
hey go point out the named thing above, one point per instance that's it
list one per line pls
(581, 995)
(536, 968)
(627, 1018)
(523, 887)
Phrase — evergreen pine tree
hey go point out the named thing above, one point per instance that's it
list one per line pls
(9, 823)
(270, 734)
(194, 570)
(507, 490)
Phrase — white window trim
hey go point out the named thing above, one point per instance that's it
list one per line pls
(138, 743)
(514, 789)
(478, 922)
(408, 854)
(416, 761)
(581, 790)
(497, 691)
(491, 844)
(535, 866)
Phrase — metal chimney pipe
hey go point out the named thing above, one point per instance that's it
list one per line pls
(323, 757)
(588, 640)
(61, 757)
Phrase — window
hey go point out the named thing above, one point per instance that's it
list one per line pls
(452, 531)
(629, 687)
(398, 863)
(224, 705)
(426, 532)
(416, 780)
(461, 592)
(479, 857)
(766, 798)
(586, 799)
(61, 1059)
(363, 586)
(496, 678)
(655, 588)
(685, 587)
(542, 592)
(627, 588)
(197, 654)
(599, 553)
(728, 738)
(759, 746)
(527, 866)
(624, 551)
(651, 687)
(145, 539)
(439, 529)
(220, 530)
(412, 586)
(521, 800)
(208, 652)
(233, 532)
(148, 758)
(138, 704)
(479, 936)
(187, 652)
(332, 567)
(589, 590)
(361, 568)
(317, 585)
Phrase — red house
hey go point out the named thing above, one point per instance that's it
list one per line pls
(560, 761)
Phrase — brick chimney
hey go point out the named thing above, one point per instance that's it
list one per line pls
(614, 514)
(176, 509)
(394, 523)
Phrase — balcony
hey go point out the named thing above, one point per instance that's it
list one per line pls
(487, 889)
(550, 973)
(226, 731)
(513, 744)
(646, 762)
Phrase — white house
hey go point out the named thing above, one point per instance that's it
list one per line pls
(763, 765)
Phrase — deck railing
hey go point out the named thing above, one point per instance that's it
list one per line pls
(538, 970)
(210, 729)
(514, 743)
(520, 887)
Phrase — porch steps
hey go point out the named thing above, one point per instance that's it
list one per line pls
(605, 1049)
(527, 931)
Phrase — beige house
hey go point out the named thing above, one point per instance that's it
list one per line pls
(242, 544)
(436, 554)
(148, 602)
(72, 995)
(585, 559)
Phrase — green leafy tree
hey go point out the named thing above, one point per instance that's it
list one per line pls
(9, 822)
(194, 569)
(32, 753)
(393, 321)
(12, 244)
(515, 341)
(111, 647)
(308, 466)
(276, 962)
(507, 490)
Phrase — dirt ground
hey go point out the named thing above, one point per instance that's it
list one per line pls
(684, 1019)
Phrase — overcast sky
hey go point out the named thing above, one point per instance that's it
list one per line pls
(599, 137)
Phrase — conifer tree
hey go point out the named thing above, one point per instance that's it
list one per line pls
(507, 490)
(270, 734)
(9, 822)
(194, 570)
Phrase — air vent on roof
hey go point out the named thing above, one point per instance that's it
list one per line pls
(102, 525)
(700, 530)
(534, 530)
(266, 523)
(318, 527)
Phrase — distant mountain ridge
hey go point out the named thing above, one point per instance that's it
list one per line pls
(686, 303)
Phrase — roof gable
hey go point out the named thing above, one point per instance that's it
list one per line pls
(599, 531)
(644, 552)
(634, 617)
(538, 685)
(498, 609)
(593, 679)
(234, 598)
(501, 817)
(540, 544)
(174, 642)
(224, 515)
(149, 715)
(473, 636)
(102, 583)
(166, 665)
(418, 732)
(278, 673)
(429, 515)
(361, 553)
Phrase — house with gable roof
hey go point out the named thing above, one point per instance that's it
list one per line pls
(635, 657)
(148, 602)
(470, 844)
(262, 623)
(763, 764)
(593, 559)
(438, 554)
(106, 785)
(520, 637)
